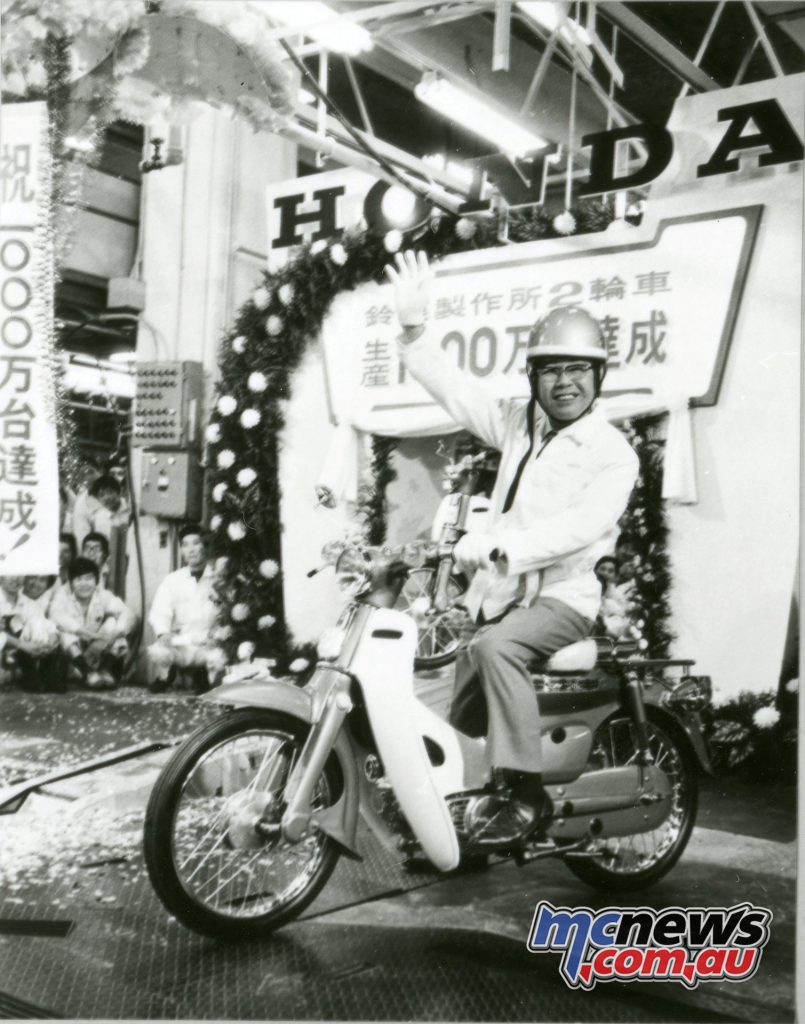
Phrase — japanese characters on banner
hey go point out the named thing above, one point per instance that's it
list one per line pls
(29, 490)
(666, 307)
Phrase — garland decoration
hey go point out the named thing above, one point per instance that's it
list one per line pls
(382, 474)
(644, 527)
(257, 361)
(755, 735)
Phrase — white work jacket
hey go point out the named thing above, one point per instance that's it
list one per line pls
(572, 492)
(185, 605)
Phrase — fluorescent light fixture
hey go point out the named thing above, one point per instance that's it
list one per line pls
(320, 22)
(476, 116)
(546, 13)
(123, 358)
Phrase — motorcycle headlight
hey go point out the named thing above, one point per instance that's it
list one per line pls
(692, 694)
(353, 571)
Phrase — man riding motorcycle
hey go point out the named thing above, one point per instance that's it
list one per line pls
(564, 481)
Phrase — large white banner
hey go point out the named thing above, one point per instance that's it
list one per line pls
(666, 296)
(29, 488)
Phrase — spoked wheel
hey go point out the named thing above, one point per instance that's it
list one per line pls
(636, 861)
(439, 633)
(209, 862)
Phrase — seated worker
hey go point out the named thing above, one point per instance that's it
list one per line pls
(564, 481)
(183, 615)
(68, 550)
(29, 643)
(40, 590)
(94, 626)
(102, 509)
(95, 547)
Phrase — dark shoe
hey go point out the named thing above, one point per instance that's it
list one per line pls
(499, 821)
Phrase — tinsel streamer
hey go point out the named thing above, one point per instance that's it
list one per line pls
(644, 524)
(315, 278)
(57, 67)
(383, 472)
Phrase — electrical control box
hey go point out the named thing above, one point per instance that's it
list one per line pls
(171, 484)
(167, 405)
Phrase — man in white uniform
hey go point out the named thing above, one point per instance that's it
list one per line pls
(183, 615)
(564, 481)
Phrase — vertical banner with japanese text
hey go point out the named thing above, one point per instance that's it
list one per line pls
(29, 487)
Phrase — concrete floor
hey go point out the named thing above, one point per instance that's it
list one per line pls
(83, 936)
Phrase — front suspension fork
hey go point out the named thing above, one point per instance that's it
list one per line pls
(308, 769)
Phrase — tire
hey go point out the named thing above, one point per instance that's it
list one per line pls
(628, 863)
(207, 864)
(438, 641)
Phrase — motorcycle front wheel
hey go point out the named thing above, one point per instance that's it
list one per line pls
(207, 861)
(439, 634)
(626, 863)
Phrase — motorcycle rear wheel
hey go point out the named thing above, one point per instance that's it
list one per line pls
(207, 863)
(627, 863)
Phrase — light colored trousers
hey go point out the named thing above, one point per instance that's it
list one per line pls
(495, 669)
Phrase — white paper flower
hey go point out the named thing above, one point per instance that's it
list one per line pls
(213, 433)
(285, 293)
(261, 297)
(223, 633)
(227, 405)
(240, 612)
(765, 718)
(221, 564)
(466, 228)
(246, 651)
(215, 523)
(393, 240)
(239, 344)
(246, 477)
(219, 491)
(642, 644)
(226, 459)
(266, 622)
(274, 325)
(792, 686)
(338, 254)
(249, 418)
(269, 568)
(318, 246)
(564, 223)
(237, 531)
(298, 665)
(257, 381)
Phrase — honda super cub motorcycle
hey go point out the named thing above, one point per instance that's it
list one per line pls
(249, 817)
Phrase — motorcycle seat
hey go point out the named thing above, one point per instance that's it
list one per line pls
(578, 657)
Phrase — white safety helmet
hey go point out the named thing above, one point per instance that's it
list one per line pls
(568, 332)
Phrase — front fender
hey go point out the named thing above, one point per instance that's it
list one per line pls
(340, 821)
(264, 693)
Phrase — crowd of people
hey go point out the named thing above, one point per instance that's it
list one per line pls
(74, 630)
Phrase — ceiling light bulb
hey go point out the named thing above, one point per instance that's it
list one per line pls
(398, 205)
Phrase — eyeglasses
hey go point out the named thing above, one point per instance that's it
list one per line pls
(573, 371)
